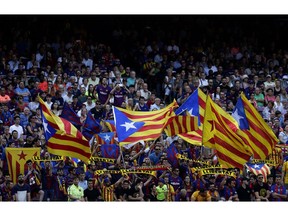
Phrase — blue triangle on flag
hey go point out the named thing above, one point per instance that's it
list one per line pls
(124, 126)
(191, 105)
(106, 137)
(48, 130)
(240, 116)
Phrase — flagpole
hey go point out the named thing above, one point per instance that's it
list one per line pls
(202, 146)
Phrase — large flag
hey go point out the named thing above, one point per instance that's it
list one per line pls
(62, 137)
(90, 127)
(260, 168)
(195, 106)
(133, 126)
(69, 114)
(220, 133)
(262, 139)
(181, 124)
(105, 138)
(17, 157)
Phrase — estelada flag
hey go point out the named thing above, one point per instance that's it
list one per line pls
(16, 159)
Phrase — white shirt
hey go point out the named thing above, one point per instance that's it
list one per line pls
(154, 107)
(88, 63)
(18, 128)
(68, 99)
(89, 107)
(203, 82)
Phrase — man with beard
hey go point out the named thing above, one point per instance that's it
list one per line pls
(21, 191)
(244, 192)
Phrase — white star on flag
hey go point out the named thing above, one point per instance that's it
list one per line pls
(256, 166)
(45, 125)
(191, 111)
(236, 116)
(128, 125)
(106, 137)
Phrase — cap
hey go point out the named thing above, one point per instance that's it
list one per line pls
(268, 76)
(1, 122)
(161, 180)
(69, 88)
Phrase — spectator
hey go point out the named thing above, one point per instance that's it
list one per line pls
(21, 191)
(75, 192)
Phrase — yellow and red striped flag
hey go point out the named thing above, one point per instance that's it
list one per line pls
(62, 137)
(181, 124)
(133, 126)
(16, 159)
(195, 106)
(220, 133)
(262, 139)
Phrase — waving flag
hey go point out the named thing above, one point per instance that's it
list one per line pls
(133, 126)
(260, 168)
(262, 138)
(70, 115)
(62, 136)
(194, 106)
(220, 133)
(17, 157)
(105, 138)
(90, 127)
(181, 124)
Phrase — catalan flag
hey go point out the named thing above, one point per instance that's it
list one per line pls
(70, 115)
(195, 106)
(90, 127)
(105, 138)
(17, 157)
(260, 168)
(220, 133)
(262, 139)
(62, 136)
(181, 124)
(133, 126)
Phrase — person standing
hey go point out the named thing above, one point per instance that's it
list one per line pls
(91, 193)
(161, 190)
(75, 192)
(21, 191)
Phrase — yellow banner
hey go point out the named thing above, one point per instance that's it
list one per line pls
(126, 171)
(210, 167)
(182, 157)
(268, 162)
(54, 158)
(219, 172)
(107, 160)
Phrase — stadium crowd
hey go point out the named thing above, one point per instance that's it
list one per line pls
(150, 73)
